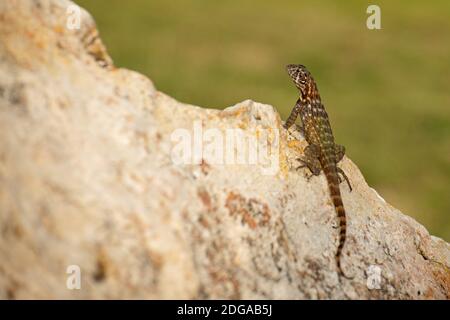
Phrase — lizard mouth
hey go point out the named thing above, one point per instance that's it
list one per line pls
(290, 68)
(299, 75)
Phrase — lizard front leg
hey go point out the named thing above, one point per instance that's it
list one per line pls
(294, 114)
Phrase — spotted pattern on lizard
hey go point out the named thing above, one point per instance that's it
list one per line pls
(321, 153)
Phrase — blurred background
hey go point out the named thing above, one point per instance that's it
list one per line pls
(386, 91)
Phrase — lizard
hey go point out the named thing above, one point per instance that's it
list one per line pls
(322, 153)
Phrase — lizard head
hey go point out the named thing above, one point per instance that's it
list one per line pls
(302, 79)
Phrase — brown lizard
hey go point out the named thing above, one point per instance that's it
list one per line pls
(322, 152)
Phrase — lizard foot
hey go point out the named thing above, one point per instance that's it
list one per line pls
(339, 170)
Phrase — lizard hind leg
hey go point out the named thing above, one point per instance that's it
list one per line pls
(339, 151)
(339, 170)
(311, 159)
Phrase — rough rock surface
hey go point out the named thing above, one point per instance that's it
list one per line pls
(90, 175)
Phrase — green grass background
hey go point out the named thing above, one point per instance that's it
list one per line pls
(386, 91)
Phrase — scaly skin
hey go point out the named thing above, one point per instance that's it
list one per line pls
(322, 153)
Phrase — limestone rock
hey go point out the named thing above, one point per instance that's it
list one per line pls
(143, 195)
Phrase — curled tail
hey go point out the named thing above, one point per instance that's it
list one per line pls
(335, 193)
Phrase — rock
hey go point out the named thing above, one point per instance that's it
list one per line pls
(98, 189)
